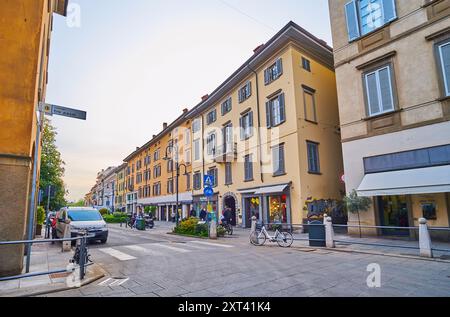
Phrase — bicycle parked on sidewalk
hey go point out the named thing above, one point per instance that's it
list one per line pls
(79, 253)
(259, 237)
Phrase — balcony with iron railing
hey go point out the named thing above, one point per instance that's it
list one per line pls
(225, 153)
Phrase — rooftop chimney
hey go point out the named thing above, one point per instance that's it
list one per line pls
(185, 110)
(256, 50)
(137, 148)
(154, 135)
(323, 42)
(164, 125)
(205, 97)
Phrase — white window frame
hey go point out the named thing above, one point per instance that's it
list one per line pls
(196, 145)
(380, 99)
(446, 80)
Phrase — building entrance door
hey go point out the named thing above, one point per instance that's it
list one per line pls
(230, 202)
(163, 214)
(394, 212)
(251, 206)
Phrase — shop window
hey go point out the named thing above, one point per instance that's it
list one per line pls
(278, 209)
(429, 211)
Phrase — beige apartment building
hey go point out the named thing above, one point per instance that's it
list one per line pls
(269, 134)
(392, 60)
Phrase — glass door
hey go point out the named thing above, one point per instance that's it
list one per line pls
(393, 211)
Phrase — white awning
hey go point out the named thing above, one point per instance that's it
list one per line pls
(408, 182)
(271, 190)
(185, 197)
(247, 191)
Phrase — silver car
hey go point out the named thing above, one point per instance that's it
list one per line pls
(81, 219)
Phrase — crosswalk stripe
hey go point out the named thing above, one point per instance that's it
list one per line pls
(143, 250)
(213, 244)
(117, 254)
(171, 248)
(104, 282)
(203, 247)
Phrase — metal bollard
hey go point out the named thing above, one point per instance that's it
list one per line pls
(213, 230)
(329, 233)
(424, 239)
(253, 224)
(82, 258)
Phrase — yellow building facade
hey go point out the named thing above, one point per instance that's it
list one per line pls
(120, 191)
(151, 172)
(269, 135)
(25, 37)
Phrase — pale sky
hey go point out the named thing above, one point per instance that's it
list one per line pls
(135, 64)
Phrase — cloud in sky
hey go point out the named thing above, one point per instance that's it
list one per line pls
(133, 65)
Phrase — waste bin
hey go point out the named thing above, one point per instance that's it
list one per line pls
(317, 234)
(140, 224)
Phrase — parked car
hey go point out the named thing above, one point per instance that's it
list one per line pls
(80, 219)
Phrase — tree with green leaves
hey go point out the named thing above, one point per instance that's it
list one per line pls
(355, 204)
(52, 169)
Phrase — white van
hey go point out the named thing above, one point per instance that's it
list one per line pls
(80, 219)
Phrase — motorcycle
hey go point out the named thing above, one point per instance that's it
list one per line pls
(149, 222)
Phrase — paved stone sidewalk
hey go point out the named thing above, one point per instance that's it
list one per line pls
(45, 258)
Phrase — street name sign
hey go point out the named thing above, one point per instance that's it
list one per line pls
(64, 112)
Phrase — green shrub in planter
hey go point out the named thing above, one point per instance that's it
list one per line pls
(221, 231)
(120, 214)
(188, 226)
(201, 230)
(40, 216)
(113, 219)
(104, 211)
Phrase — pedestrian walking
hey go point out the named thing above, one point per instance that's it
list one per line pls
(53, 228)
(203, 215)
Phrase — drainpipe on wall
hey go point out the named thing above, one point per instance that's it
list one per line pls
(259, 122)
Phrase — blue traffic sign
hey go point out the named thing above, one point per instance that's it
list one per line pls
(208, 191)
(208, 180)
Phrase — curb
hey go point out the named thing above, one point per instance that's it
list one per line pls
(412, 257)
(95, 273)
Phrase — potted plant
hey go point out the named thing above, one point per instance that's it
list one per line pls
(40, 219)
(355, 204)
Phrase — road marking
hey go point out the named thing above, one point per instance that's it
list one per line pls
(143, 250)
(113, 282)
(213, 244)
(119, 282)
(104, 282)
(190, 245)
(117, 254)
(171, 248)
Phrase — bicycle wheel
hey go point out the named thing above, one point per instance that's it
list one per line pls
(257, 238)
(285, 239)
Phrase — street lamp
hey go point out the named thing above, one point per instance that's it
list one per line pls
(174, 149)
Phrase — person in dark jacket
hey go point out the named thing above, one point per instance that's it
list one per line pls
(193, 213)
(203, 215)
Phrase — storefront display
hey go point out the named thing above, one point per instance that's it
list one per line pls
(277, 209)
